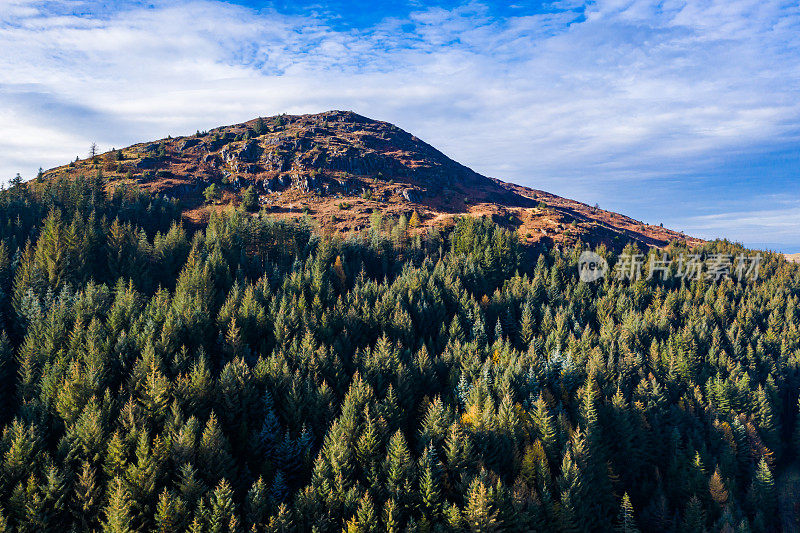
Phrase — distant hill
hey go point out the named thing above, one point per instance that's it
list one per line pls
(338, 167)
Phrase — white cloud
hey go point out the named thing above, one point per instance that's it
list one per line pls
(568, 100)
(773, 228)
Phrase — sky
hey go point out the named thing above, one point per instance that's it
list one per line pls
(681, 112)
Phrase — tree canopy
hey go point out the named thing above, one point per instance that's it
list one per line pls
(257, 376)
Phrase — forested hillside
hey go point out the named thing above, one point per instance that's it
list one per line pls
(258, 376)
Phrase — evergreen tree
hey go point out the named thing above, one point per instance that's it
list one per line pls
(398, 467)
(250, 199)
(215, 452)
(765, 497)
(480, 513)
(223, 517)
(626, 523)
(118, 509)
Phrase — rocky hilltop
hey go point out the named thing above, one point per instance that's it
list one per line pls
(338, 167)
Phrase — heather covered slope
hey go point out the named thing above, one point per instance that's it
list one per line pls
(338, 167)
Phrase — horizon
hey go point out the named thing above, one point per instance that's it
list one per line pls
(681, 113)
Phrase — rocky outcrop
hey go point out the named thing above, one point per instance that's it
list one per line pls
(218, 141)
(146, 163)
(249, 152)
(411, 195)
(188, 143)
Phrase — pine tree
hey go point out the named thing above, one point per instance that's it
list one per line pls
(766, 421)
(212, 193)
(429, 486)
(459, 452)
(365, 519)
(399, 469)
(391, 516)
(54, 497)
(571, 488)
(215, 452)
(526, 325)
(282, 521)
(190, 487)
(456, 331)
(155, 393)
(22, 453)
(250, 199)
(7, 392)
(223, 511)
(170, 513)
(55, 251)
(694, 519)
(626, 523)
(234, 347)
(118, 509)
(256, 505)
(764, 491)
(279, 489)
(545, 426)
(717, 488)
(480, 513)
(86, 498)
(116, 455)
(338, 270)
(594, 505)
(367, 450)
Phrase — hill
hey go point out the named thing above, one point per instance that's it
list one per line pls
(338, 167)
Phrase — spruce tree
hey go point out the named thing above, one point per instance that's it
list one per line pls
(480, 513)
(626, 523)
(215, 453)
(118, 508)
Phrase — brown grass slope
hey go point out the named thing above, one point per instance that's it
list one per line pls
(338, 167)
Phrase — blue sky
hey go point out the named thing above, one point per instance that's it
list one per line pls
(685, 112)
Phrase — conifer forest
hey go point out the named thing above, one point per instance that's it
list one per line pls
(256, 374)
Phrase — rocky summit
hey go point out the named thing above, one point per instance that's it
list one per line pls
(339, 167)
